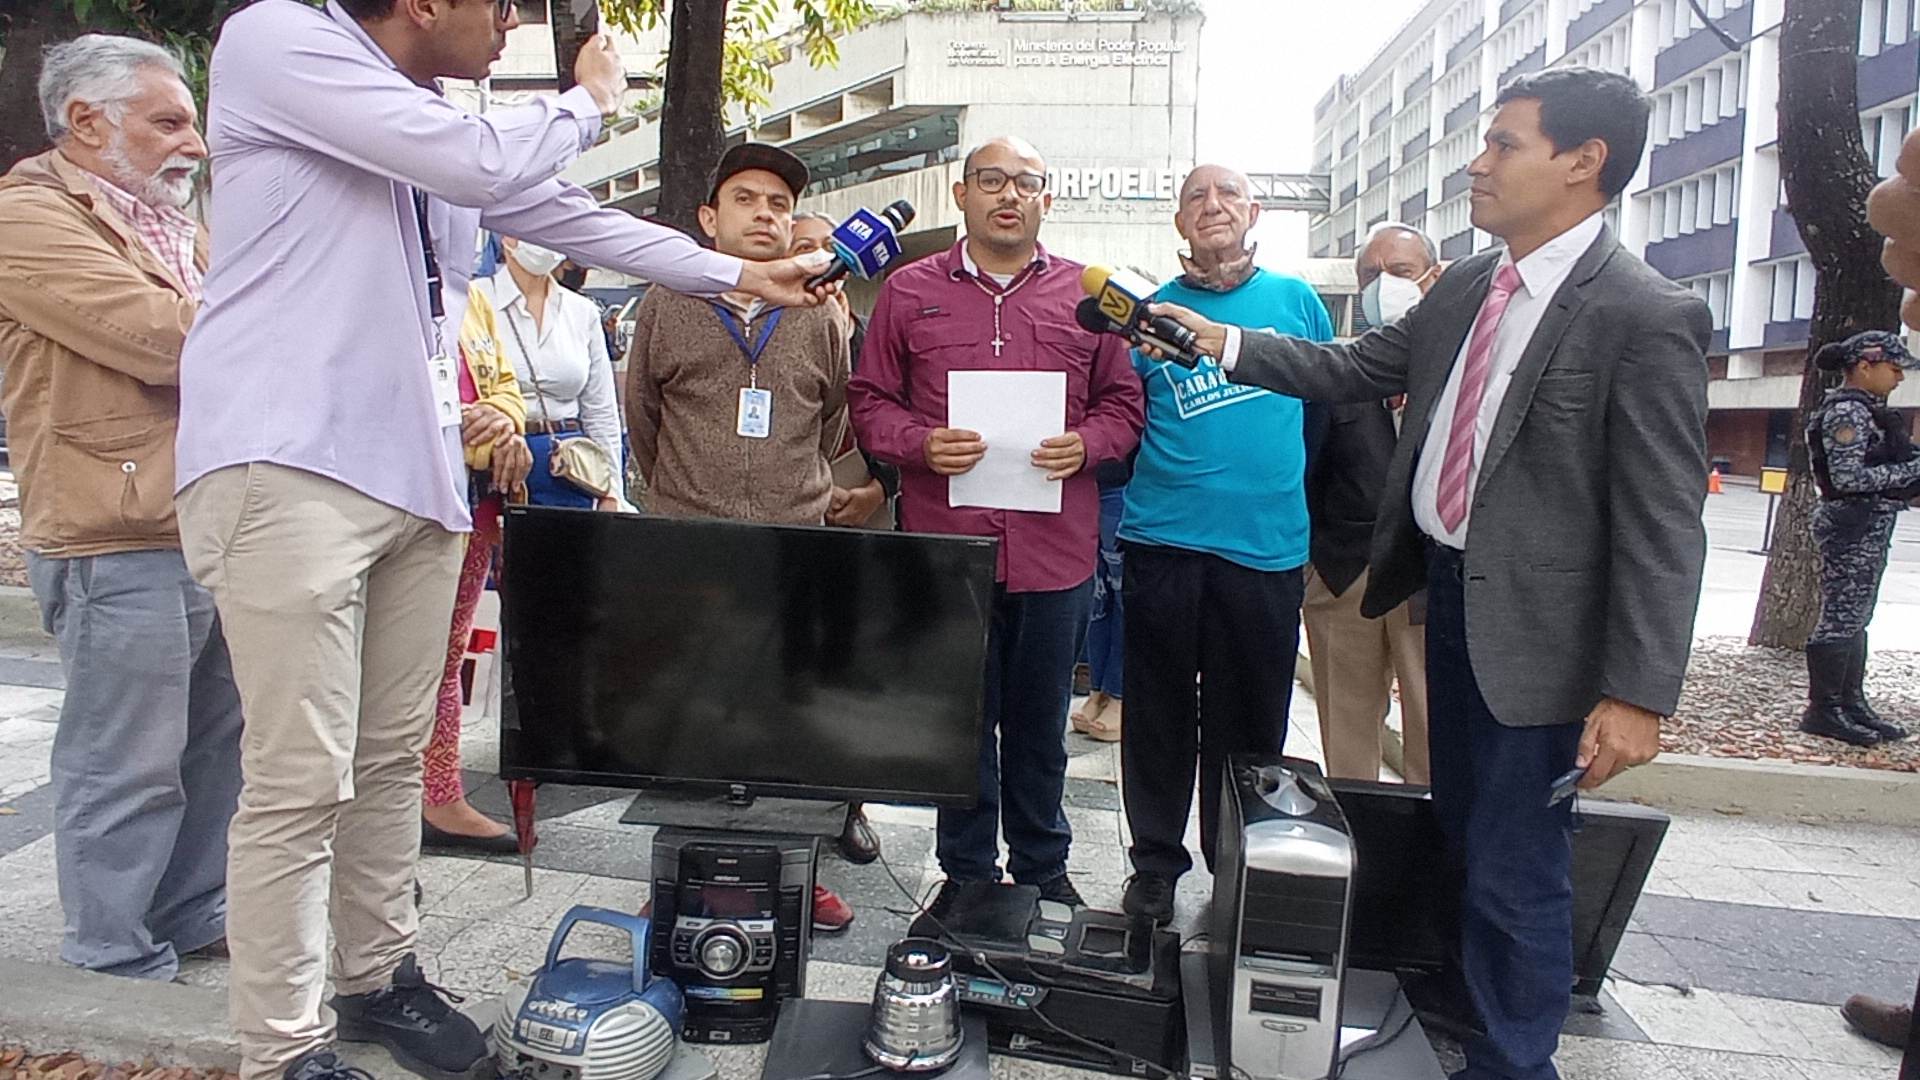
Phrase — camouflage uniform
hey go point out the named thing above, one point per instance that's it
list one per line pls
(1853, 524)
(1866, 467)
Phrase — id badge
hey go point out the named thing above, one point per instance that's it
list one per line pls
(446, 389)
(756, 413)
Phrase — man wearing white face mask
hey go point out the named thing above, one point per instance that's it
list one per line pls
(552, 336)
(1356, 659)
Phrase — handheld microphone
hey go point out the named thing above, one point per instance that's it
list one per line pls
(1120, 298)
(866, 243)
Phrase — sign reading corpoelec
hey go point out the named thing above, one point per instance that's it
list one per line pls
(1115, 184)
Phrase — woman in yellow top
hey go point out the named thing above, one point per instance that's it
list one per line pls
(493, 420)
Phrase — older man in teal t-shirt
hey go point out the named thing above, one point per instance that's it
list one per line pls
(1214, 539)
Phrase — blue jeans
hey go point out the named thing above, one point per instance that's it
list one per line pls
(546, 489)
(1490, 787)
(1023, 744)
(1106, 629)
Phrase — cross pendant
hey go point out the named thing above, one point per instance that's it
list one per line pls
(997, 343)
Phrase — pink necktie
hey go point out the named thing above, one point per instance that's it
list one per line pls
(1456, 468)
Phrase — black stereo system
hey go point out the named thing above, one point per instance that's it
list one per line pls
(735, 917)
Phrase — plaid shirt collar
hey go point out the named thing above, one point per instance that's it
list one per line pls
(168, 233)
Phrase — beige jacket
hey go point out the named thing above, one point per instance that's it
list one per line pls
(91, 324)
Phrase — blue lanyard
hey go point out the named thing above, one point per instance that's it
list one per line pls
(752, 352)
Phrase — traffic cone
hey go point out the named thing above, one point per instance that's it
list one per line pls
(1713, 481)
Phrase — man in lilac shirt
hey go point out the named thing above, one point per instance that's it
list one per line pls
(322, 486)
(999, 301)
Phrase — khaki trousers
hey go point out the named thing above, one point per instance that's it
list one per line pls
(1354, 661)
(336, 610)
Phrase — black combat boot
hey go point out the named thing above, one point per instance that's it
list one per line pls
(1855, 695)
(1827, 667)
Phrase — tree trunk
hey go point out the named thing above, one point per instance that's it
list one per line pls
(32, 25)
(571, 26)
(1828, 175)
(690, 117)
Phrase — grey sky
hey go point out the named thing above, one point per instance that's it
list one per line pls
(1263, 63)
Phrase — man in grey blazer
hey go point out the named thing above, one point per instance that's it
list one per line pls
(1547, 489)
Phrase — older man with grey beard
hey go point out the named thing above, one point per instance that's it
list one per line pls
(100, 273)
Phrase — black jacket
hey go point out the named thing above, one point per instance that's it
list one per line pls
(1346, 473)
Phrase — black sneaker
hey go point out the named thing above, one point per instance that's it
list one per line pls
(1149, 896)
(415, 1022)
(323, 1064)
(1061, 891)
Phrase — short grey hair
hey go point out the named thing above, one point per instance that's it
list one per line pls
(813, 215)
(100, 70)
(1433, 252)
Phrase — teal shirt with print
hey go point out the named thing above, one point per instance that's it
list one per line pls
(1222, 467)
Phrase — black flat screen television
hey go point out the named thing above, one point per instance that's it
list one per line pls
(722, 657)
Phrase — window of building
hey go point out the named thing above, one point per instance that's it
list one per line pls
(1882, 132)
(1607, 52)
(1417, 62)
(1702, 99)
(1450, 218)
(1377, 149)
(1518, 38)
(1885, 24)
(1411, 180)
(1409, 124)
(1717, 291)
(1349, 131)
(1377, 204)
(1694, 204)
(1379, 98)
(1792, 298)
(1466, 17)
(1346, 175)
(1677, 20)
(1461, 84)
(1456, 151)
(1343, 230)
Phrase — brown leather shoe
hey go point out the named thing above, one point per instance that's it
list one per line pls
(1888, 1025)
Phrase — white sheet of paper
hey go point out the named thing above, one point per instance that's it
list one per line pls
(1012, 411)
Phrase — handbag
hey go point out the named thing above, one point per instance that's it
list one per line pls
(579, 461)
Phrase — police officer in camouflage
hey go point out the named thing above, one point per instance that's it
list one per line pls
(1867, 469)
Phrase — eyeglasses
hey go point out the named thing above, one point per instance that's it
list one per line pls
(994, 181)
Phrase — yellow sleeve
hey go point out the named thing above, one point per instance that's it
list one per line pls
(504, 391)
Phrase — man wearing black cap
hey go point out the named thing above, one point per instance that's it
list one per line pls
(736, 408)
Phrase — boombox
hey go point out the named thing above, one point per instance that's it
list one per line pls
(1282, 890)
(733, 923)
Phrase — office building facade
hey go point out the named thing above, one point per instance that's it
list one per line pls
(1706, 207)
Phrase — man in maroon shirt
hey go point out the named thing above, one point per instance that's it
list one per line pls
(997, 301)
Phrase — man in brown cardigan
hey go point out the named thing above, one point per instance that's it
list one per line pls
(735, 409)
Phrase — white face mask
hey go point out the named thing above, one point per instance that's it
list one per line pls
(537, 260)
(1387, 298)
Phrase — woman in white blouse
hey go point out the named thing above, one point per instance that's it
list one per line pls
(552, 335)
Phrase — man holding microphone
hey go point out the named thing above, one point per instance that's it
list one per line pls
(322, 485)
(1546, 488)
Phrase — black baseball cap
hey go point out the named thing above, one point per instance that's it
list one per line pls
(754, 155)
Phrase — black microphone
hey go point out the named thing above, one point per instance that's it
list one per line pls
(1120, 301)
(866, 243)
